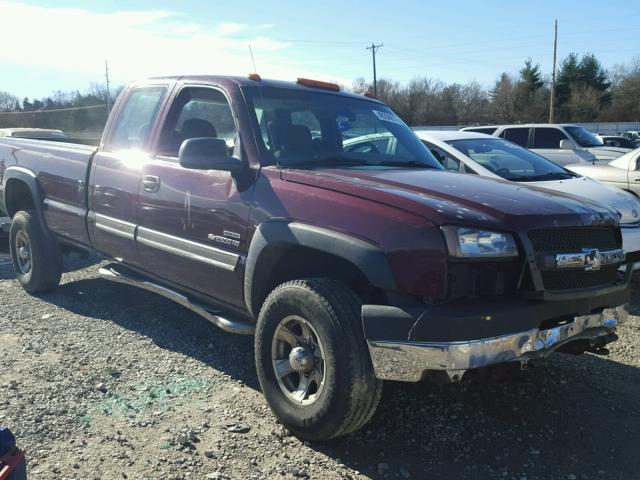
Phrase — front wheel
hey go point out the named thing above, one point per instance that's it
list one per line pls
(312, 360)
(36, 257)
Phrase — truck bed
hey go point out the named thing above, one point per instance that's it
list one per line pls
(61, 171)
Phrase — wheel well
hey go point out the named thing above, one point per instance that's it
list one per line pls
(18, 197)
(282, 263)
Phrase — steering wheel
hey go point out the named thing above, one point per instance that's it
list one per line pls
(366, 147)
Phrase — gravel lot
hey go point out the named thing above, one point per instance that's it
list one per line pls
(98, 380)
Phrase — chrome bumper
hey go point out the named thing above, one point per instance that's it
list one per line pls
(408, 361)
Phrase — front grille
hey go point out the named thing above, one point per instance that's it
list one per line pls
(572, 279)
(560, 240)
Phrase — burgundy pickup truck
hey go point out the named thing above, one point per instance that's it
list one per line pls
(241, 199)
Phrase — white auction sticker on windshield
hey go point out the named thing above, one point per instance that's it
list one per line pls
(387, 116)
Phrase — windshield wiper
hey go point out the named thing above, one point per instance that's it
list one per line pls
(328, 161)
(544, 176)
(406, 164)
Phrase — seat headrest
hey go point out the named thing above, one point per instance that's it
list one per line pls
(196, 127)
(299, 139)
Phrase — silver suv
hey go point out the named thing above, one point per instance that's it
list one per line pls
(563, 144)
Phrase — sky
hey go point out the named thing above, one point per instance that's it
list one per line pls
(62, 45)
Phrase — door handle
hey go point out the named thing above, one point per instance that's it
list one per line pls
(637, 179)
(151, 183)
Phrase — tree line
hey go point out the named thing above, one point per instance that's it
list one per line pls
(96, 94)
(585, 92)
(69, 111)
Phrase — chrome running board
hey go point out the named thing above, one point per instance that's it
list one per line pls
(113, 274)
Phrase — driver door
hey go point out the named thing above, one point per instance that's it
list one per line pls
(193, 222)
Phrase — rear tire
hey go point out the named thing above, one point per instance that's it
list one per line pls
(36, 257)
(309, 332)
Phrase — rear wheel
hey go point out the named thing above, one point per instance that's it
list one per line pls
(37, 259)
(312, 360)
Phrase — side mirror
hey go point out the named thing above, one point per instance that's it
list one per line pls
(567, 145)
(208, 153)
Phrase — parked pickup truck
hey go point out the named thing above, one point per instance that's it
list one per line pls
(235, 198)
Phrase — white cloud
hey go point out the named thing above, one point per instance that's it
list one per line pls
(138, 43)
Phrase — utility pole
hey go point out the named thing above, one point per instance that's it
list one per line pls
(106, 76)
(552, 99)
(373, 49)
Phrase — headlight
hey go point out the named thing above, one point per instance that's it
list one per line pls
(468, 242)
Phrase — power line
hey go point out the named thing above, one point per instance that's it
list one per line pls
(374, 48)
(297, 40)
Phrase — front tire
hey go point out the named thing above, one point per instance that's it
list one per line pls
(36, 257)
(312, 360)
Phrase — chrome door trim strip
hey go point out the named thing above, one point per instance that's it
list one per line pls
(64, 207)
(119, 228)
(188, 249)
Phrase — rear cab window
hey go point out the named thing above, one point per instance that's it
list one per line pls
(136, 119)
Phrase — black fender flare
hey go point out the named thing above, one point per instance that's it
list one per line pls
(368, 258)
(29, 178)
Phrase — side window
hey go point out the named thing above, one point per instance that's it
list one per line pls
(135, 122)
(197, 112)
(516, 135)
(447, 161)
(548, 138)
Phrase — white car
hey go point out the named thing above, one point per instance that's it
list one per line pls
(33, 133)
(561, 143)
(481, 154)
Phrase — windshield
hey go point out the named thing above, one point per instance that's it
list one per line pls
(584, 137)
(509, 161)
(314, 129)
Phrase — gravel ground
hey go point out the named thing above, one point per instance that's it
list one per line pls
(98, 380)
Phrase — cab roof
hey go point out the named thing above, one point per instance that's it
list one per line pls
(228, 80)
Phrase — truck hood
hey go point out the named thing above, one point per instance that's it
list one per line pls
(623, 202)
(445, 197)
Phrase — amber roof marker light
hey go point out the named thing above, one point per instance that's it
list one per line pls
(255, 77)
(318, 84)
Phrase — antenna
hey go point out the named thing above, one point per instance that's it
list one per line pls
(252, 59)
(106, 75)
